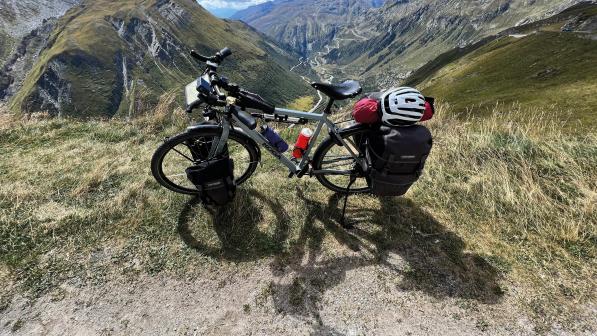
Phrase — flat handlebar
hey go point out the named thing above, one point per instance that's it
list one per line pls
(217, 58)
(216, 97)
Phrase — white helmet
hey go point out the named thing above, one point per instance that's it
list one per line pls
(403, 106)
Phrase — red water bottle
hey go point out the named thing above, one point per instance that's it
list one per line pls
(302, 143)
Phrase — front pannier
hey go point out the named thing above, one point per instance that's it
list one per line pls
(397, 156)
(214, 179)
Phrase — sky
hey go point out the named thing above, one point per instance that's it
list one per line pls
(225, 8)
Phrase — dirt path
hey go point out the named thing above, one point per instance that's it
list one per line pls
(351, 295)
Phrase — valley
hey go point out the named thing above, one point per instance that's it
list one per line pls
(382, 45)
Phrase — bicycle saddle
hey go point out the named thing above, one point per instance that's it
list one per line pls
(339, 91)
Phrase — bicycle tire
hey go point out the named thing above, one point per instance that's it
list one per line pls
(164, 149)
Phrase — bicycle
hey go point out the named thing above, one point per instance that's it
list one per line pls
(339, 162)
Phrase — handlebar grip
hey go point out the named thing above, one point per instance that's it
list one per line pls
(225, 53)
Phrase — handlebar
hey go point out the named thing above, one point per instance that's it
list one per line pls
(245, 98)
(217, 58)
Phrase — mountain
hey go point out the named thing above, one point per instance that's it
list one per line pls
(19, 17)
(304, 26)
(381, 46)
(25, 26)
(549, 65)
(407, 34)
(104, 57)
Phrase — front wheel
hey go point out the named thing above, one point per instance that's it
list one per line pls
(175, 155)
(334, 165)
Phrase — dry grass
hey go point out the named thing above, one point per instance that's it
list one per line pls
(505, 208)
(523, 194)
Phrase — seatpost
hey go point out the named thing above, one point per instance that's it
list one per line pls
(328, 108)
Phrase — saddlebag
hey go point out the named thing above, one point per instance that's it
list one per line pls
(397, 157)
(214, 179)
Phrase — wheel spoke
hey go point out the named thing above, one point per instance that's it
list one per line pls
(338, 163)
(176, 175)
(180, 153)
(337, 160)
(333, 172)
(190, 149)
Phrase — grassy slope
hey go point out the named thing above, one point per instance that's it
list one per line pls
(503, 208)
(549, 69)
(434, 28)
(546, 70)
(83, 29)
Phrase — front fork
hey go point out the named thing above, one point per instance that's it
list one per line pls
(220, 142)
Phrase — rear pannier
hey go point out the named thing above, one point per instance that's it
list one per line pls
(397, 157)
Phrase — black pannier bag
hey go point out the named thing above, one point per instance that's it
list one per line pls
(214, 179)
(397, 156)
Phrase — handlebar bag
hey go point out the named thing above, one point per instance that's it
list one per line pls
(214, 179)
(397, 156)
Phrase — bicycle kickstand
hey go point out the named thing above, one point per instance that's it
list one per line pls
(353, 178)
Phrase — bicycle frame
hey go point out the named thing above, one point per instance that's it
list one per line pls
(295, 168)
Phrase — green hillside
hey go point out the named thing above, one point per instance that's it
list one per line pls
(103, 55)
(547, 70)
(548, 65)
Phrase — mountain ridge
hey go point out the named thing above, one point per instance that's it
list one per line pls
(381, 46)
(144, 53)
(546, 64)
(304, 25)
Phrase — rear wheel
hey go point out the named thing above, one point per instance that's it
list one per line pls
(175, 155)
(334, 165)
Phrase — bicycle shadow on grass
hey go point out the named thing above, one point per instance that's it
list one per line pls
(400, 236)
(231, 232)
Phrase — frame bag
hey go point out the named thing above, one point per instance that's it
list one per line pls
(214, 179)
(397, 157)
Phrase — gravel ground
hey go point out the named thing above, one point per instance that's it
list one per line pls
(321, 295)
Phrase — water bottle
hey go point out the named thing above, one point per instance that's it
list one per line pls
(274, 139)
(302, 143)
